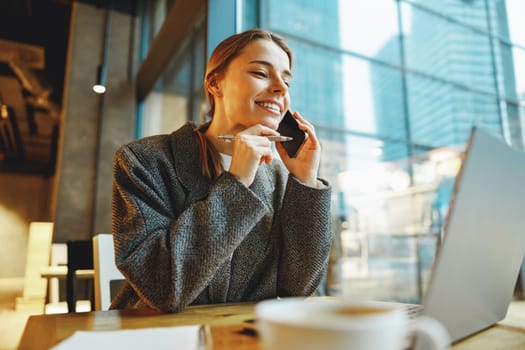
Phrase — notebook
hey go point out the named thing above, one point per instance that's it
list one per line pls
(477, 265)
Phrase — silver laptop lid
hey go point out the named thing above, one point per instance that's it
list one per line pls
(477, 266)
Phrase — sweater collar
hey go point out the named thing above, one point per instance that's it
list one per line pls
(186, 156)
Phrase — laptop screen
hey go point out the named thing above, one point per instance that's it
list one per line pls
(476, 268)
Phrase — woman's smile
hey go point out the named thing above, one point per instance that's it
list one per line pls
(270, 106)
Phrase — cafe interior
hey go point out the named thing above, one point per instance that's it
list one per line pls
(393, 88)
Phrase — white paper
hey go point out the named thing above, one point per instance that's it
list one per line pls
(183, 337)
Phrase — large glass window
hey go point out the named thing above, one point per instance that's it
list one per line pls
(512, 71)
(373, 100)
(509, 21)
(442, 114)
(370, 25)
(178, 95)
(155, 13)
(394, 88)
(447, 50)
(388, 218)
(471, 13)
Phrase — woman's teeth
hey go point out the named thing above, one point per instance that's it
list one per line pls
(271, 106)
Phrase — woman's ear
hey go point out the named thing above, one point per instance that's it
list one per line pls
(213, 87)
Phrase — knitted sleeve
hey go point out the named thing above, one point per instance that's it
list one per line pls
(306, 238)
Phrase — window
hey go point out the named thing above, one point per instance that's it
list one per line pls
(393, 88)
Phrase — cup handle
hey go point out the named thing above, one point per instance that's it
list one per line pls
(433, 331)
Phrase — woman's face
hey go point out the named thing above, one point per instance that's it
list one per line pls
(254, 87)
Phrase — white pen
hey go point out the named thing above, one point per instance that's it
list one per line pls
(230, 138)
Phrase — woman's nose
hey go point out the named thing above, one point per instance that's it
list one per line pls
(279, 85)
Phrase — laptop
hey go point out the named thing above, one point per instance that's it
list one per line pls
(477, 265)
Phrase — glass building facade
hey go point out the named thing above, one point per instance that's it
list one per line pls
(393, 88)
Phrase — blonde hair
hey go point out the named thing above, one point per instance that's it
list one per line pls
(222, 55)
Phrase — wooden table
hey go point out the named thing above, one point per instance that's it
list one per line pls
(229, 329)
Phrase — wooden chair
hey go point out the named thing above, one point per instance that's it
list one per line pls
(38, 254)
(108, 278)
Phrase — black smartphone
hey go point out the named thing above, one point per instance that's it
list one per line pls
(290, 127)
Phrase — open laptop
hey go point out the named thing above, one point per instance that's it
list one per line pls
(477, 265)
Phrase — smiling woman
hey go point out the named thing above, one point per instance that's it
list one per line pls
(200, 219)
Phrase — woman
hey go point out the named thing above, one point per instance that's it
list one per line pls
(200, 220)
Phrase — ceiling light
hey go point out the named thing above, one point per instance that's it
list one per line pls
(100, 85)
(4, 112)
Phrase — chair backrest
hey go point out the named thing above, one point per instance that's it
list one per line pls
(38, 254)
(108, 278)
(79, 257)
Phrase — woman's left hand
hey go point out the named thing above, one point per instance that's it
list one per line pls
(306, 162)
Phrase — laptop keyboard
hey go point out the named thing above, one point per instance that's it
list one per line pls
(413, 310)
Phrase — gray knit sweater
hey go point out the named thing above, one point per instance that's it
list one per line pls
(183, 239)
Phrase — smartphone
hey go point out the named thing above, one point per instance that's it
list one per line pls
(290, 127)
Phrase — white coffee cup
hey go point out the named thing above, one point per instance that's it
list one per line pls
(337, 324)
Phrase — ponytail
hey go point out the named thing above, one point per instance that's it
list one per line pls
(211, 161)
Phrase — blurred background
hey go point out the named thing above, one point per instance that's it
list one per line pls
(393, 88)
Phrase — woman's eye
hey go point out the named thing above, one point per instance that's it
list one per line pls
(260, 74)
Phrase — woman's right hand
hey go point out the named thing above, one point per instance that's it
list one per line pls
(250, 149)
